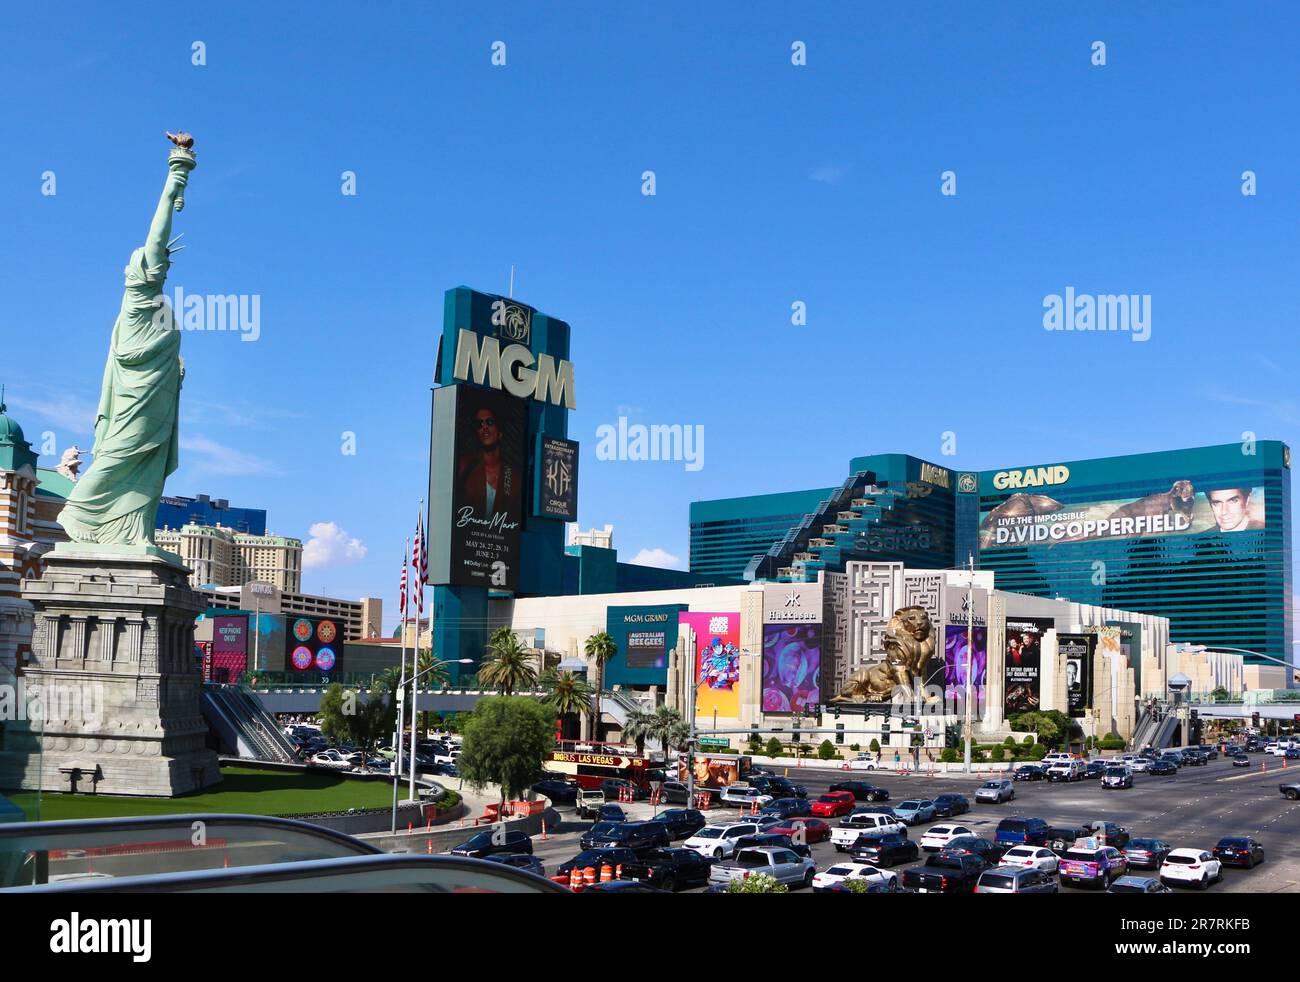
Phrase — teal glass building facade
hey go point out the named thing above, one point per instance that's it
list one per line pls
(1202, 536)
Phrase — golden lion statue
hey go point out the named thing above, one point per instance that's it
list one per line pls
(909, 646)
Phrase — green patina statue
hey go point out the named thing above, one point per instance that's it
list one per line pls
(116, 503)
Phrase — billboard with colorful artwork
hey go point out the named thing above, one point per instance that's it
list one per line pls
(717, 662)
(792, 664)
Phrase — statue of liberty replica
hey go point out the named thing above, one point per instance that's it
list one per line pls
(112, 684)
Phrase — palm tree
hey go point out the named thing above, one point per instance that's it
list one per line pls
(667, 726)
(600, 649)
(638, 729)
(568, 694)
(508, 665)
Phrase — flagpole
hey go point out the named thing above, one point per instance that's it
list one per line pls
(415, 648)
(397, 722)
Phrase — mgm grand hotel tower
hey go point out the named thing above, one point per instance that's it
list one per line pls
(1201, 536)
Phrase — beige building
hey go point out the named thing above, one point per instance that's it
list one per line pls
(221, 557)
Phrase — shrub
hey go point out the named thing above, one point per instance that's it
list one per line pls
(998, 753)
(1038, 752)
(874, 746)
(774, 747)
(1009, 742)
(949, 755)
(1028, 741)
(826, 750)
(757, 883)
(855, 747)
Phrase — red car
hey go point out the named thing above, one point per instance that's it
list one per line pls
(833, 804)
(815, 829)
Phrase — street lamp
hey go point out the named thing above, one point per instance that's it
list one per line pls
(397, 756)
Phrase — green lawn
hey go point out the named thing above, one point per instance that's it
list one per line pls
(242, 790)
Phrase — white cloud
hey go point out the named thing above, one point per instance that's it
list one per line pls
(657, 557)
(829, 173)
(216, 458)
(66, 411)
(330, 545)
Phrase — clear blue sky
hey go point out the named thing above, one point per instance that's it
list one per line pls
(775, 184)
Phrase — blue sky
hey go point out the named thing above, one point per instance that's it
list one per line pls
(775, 184)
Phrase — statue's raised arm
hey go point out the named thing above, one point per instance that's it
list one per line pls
(116, 503)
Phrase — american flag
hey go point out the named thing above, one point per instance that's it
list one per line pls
(420, 564)
(403, 604)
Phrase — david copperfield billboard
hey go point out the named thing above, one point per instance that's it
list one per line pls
(1023, 663)
(1078, 651)
(1026, 519)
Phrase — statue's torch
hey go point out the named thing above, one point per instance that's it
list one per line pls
(181, 162)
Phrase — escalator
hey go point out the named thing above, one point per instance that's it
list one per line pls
(245, 729)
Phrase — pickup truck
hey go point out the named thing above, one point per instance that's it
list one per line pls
(945, 873)
(780, 864)
(873, 823)
(1092, 867)
(589, 802)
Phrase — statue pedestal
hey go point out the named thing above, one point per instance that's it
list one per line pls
(114, 679)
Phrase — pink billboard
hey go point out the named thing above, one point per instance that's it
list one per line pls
(229, 647)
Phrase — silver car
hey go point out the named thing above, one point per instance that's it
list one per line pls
(1016, 879)
(995, 791)
(783, 865)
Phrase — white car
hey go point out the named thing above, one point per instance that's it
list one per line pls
(1030, 857)
(938, 836)
(845, 835)
(1136, 764)
(1056, 757)
(854, 871)
(1195, 866)
(719, 841)
(864, 762)
(744, 797)
(331, 758)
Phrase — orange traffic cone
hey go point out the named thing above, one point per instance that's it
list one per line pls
(606, 873)
(575, 879)
(618, 871)
(589, 877)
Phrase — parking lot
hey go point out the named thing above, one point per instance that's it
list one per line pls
(1193, 809)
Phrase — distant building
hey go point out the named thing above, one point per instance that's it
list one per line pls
(221, 557)
(360, 618)
(597, 538)
(176, 512)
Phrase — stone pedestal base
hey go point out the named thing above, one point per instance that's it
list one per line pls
(114, 690)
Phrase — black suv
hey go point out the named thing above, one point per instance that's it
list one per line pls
(787, 808)
(861, 790)
(1239, 850)
(637, 836)
(783, 787)
(481, 845)
(885, 850)
(976, 845)
(560, 792)
(682, 823)
(670, 869)
(948, 805)
(597, 858)
(770, 840)
(674, 793)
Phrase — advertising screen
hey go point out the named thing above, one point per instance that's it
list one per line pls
(555, 494)
(1078, 650)
(229, 648)
(1185, 509)
(647, 649)
(792, 664)
(643, 637)
(717, 662)
(954, 662)
(1023, 664)
(313, 645)
(488, 490)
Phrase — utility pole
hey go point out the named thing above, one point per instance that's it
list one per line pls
(690, 677)
(970, 646)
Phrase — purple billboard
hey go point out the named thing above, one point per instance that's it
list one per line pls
(792, 664)
(955, 658)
